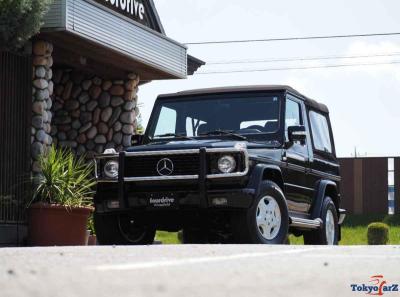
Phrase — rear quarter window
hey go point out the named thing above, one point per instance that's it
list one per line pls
(320, 132)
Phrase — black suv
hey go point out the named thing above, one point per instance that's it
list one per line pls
(226, 165)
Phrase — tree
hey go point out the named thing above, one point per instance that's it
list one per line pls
(20, 20)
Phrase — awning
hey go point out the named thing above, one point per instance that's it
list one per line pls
(113, 37)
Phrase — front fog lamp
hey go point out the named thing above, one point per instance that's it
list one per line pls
(226, 164)
(111, 169)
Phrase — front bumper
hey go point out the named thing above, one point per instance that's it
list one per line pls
(105, 202)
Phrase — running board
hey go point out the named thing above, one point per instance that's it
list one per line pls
(305, 223)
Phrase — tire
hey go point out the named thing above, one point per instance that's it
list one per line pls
(119, 230)
(323, 236)
(194, 236)
(266, 221)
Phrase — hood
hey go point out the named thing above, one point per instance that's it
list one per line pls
(195, 144)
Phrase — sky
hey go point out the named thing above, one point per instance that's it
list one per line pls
(364, 101)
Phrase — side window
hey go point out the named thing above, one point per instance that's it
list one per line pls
(320, 132)
(166, 122)
(292, 115)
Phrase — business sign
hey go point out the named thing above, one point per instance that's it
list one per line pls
(133, 9)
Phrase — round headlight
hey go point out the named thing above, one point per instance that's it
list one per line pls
(226, 164)
(111, 169)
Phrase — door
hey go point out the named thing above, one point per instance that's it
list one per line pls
(324, 164)
(298, 195)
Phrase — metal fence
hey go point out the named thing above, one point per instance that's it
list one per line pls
(15, 118)
(370, 185)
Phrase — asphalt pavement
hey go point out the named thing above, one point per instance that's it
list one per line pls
(197, 270)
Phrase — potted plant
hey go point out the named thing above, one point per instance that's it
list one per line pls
(62, 200)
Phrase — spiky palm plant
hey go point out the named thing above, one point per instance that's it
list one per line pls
(65, 180)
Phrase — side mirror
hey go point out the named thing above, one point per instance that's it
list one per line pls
(297, 133)
(137, 139)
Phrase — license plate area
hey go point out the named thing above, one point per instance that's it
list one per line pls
(162, 200)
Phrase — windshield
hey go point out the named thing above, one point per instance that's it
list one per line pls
(250, 116)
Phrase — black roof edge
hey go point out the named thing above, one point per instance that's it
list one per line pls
(207, 91)
(193, 64)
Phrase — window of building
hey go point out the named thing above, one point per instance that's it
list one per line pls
(320, 132)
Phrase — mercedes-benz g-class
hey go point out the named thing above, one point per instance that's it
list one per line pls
(226, 165)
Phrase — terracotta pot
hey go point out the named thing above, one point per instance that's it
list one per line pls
(50, 225)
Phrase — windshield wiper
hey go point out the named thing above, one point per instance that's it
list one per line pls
(174, 135)
(224, 132)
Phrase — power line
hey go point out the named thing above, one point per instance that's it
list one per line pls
(293, 38)
(297, 68)
(293, 59)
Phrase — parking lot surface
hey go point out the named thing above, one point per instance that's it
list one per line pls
(196, 270)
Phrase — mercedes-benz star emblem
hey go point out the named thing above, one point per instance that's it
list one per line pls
(165, 167)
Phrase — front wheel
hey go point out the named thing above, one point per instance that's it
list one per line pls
(329, 233)
(267, 221)
(122, 230)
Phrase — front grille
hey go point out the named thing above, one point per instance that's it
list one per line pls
(146, 166)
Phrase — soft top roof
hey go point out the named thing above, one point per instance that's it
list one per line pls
(210, 91)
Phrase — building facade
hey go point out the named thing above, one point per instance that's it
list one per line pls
(77, 87)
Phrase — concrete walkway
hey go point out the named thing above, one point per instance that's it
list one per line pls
(193, 270)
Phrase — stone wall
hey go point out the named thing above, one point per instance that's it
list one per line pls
(92, 114)
(42, 91)
(79, 110)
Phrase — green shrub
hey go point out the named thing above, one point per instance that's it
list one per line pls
(65, 180)
(378, 234)
(20, 20)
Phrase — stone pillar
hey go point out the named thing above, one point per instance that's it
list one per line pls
(41, 100)
(92, 114)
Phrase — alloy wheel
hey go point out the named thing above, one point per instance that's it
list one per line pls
(330, 227)
(268, 217)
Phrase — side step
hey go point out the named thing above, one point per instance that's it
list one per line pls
(305, 223)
